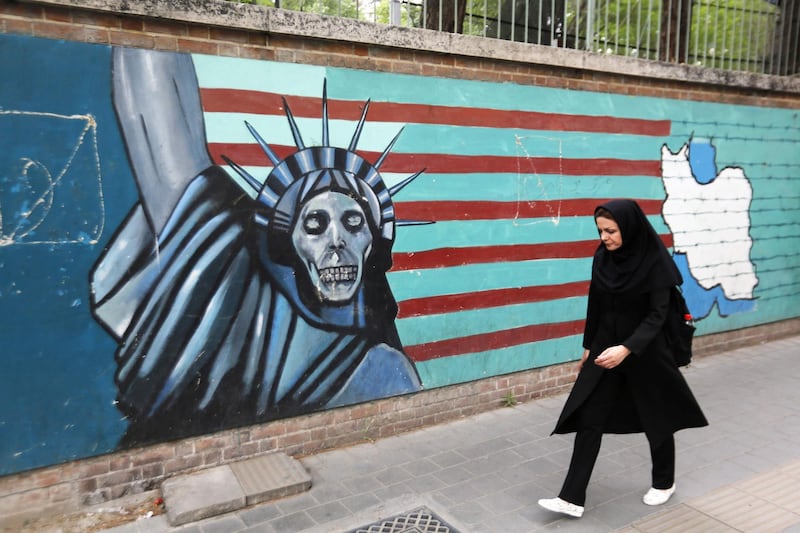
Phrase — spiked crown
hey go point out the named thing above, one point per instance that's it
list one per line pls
(293, 180)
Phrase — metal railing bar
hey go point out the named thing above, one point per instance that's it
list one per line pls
(760, 36)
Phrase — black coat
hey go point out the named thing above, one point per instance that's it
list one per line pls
(657, 399)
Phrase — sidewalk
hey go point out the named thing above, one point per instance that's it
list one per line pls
(484, 474)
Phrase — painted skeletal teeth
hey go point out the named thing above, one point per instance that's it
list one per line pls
(339, 273)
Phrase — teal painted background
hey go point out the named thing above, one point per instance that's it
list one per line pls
(494, 190)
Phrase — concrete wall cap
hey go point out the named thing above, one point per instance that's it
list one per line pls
(249, 17)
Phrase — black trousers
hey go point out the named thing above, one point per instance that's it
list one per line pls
(592, 417)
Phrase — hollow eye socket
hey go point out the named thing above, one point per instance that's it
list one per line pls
(316, 223)
(353, 221)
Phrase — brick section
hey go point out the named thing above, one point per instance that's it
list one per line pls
(66, 487)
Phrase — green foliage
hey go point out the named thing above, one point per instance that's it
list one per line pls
(509, 400)
(410, 13)
(732, 34)
(480, 17)
(726, 34)
(620, 27)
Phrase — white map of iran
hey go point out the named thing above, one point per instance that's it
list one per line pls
(710, 224)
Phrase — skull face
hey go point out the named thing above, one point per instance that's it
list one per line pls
(332, 239)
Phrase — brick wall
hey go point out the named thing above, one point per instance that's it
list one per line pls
(65, 488)
(69, 486)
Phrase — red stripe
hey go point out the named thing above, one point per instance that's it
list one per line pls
(493, 341)
(247, 154)
(473, 255)
(448, 257)
(449, 303)
(485, 210)
(264, 103)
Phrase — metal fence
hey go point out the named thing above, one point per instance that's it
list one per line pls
(760, 36)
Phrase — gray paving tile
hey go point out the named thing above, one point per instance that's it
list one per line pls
(619, 512)
(447, 459)
(756, 463)
(328, 512)
(190, 528)
(260, 528)
(529, 493)
(525, 471)
(587, 524)
(468, 513)
(293, 522)
(548, 465)
(538, 447)
(359, 485)
(225, 524)
(486, 448)
(420, 467)
(359, 502)
(507, 523)
(498, 502)
(528, 435)
(329, 491)
(719, 474)
(293, 504)
(499, 460)
(393, 475)
(468, 490)
(490, 483)
(259, 514)
(393, 492)
(453, 475)
(423, 484)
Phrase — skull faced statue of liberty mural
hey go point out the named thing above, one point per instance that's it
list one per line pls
(229, 308)
(332, 241)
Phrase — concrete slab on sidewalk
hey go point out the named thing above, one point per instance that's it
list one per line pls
(231, 487)
(271, 476)
(201, 495)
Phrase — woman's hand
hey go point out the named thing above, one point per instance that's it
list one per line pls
(612, 356)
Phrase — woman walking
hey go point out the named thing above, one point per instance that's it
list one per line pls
(628, 380)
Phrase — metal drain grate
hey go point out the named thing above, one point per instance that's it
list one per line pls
(421, 520)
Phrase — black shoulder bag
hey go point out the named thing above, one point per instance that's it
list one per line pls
(679, 328)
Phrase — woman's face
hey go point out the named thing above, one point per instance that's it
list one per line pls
(610, 235)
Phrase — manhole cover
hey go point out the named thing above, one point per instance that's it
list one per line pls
(421, 520)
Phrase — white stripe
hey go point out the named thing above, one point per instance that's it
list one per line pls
(239, 73)
(227, 128)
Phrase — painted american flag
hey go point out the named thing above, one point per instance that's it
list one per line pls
(512, 176)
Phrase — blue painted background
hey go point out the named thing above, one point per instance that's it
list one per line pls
(56, 384)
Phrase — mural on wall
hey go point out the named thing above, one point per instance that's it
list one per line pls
(230, 310)
(167, 220)
(708, 214)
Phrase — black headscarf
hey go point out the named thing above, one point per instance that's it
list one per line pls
(642, 263)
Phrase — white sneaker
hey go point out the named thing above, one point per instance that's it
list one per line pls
(557, 505)
(658, 496)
